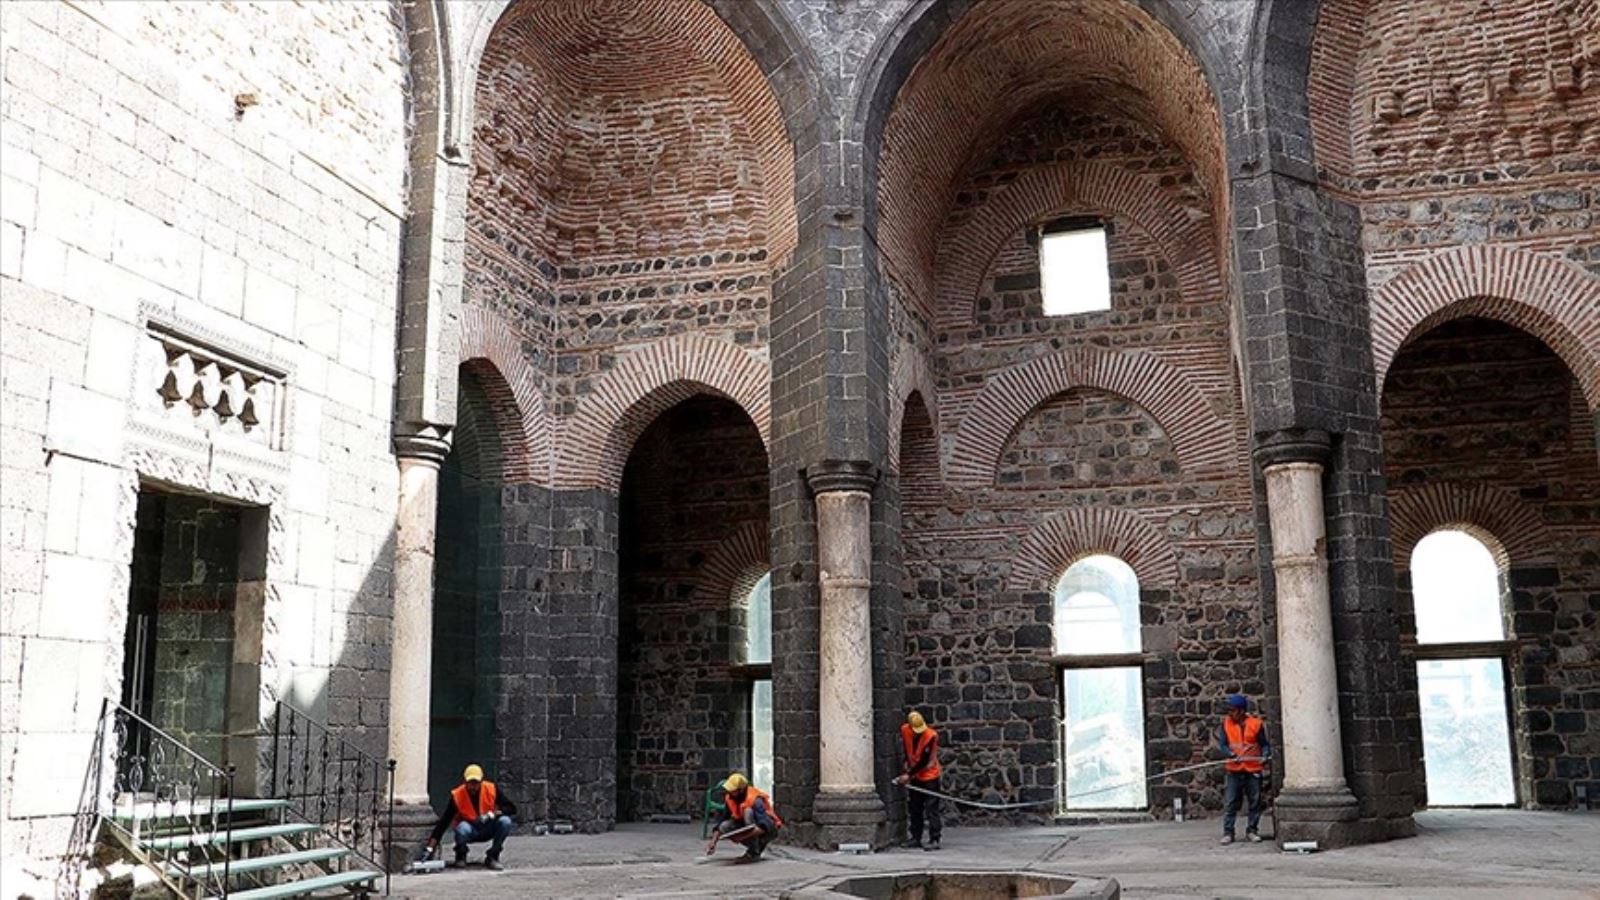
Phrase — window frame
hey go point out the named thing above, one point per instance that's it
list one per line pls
(748, 674)
(1070, 224)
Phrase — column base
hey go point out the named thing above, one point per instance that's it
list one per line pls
(1325, 816)
(854, 818)
(413, 823)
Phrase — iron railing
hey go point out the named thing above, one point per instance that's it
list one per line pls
(172, 807)
(331, 782)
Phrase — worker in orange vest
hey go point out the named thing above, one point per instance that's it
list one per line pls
(477, 812)
(746, 805)
(1243, 740)
(921, 745)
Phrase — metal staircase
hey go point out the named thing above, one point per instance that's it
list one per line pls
(316, 833)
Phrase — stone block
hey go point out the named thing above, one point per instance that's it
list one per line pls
(10, 250)
(152, 249)
(84, 423)
(48, 758)
(269, 302)
(222, 278)
(74, 213)
(110, 363)
(44, 262)
(75, 596)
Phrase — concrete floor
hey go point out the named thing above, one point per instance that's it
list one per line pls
(1459, 855)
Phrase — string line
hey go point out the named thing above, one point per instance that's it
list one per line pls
(1002, 807)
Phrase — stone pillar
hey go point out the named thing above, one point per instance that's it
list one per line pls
(1315, 798)
(411, 653)
(847, 807)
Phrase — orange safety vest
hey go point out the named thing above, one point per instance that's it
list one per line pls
(916, 745)
(463, 802)
(752, 793)
(1243, 741)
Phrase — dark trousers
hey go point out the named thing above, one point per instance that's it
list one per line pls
(920, 806)
(755, 815)
(480, 832)
(1241, 786)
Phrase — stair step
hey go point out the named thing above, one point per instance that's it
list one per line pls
(297, 888)
(259, 863)
(239, 835)
(156, 810)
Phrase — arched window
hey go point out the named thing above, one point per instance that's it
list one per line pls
(757, 657)
(1097, 647)
(1461, 665)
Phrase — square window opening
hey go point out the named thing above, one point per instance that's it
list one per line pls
(1074, 269)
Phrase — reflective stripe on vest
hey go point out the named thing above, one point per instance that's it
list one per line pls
(752, 793)
(1243, 740)
(463, 802)
(916, 745)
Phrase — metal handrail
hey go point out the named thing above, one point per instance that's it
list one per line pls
(140, 766)
(319, 773)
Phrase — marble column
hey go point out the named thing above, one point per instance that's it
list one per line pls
(1315, 796)
(847, 807)
(411, 654)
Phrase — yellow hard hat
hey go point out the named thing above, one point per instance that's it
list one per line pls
(474, 772)
(914, 719)
(735, 782)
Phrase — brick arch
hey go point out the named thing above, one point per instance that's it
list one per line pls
(1201, 438)
(965, 254)
(493, 353)
(737, 564)
(749, 46)
(1555, 302)
(596, 441)
(1067, 536)
(1512, 528)
(909, 374)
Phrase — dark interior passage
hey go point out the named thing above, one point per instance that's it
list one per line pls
(697, 477)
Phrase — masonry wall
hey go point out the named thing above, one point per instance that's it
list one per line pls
(138, 183)
(695, 482)
(1484, 427)
(981, 554)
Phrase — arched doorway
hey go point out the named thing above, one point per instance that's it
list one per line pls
(687, 685)
(1489, 447)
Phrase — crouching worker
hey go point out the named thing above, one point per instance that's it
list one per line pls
(477, 812)
(747, 805)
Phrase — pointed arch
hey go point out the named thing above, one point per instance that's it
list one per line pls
(1067, 536)
(909, 374)
(1554, 301)
(1201, 438)
(596, 441)
(492, 351)
(737, 563)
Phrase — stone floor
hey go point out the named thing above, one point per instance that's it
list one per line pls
(1459, 855)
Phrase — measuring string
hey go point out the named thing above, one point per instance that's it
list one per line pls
(1001, 807)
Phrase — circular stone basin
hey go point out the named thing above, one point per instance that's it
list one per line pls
(972, 886)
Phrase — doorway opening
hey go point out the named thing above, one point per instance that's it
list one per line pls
(192, 647)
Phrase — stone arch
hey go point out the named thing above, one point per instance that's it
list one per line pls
(785, 62)
(488, 345)
(1512, 529)
(1544, 296)
(1201, 438)
(909, 374)
(737, 564)
(1187, 241)
(1067, 536)
(1277, 70)
(595, 442)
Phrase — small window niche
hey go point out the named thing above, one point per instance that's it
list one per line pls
(1074, 269)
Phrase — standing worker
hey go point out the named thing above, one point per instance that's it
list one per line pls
(922, 771)
(1243, 738)
(747, 805)
(477, 812)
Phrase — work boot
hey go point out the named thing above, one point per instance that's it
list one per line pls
(492, 863)
(1226, 839)
(911, 844)
(750, 856)
(931, 845)
(1252, 837)
(460, 862)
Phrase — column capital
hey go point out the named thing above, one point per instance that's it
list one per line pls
(1291, 445)
(832, 475)
(422, 443)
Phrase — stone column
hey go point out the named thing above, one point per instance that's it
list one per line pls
(1315, 797)
(411, 654)
(847, 808)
